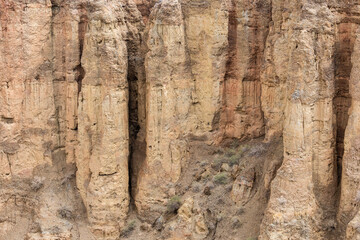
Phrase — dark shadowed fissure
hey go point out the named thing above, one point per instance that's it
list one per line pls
(133, 124)
(133, 113)
(80, 72)
(342, 99)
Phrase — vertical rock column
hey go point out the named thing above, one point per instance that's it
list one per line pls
(275, 69)
(27, 112)
(206, 31)
(168, 101)
(68, 29)
(185, 65)
(28, 124)
(302, 199)
(103, 133)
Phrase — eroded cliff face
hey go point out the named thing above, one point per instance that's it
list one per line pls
(179, 119)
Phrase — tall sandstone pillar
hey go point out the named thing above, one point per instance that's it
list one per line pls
(103, 127)
(168, 101)
(301, 69)
(185, 64)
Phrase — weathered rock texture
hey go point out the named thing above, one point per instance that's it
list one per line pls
(242, 116)
(166, 121)
(102, 101)
(309, 64)
(182, 91)
(64, 98)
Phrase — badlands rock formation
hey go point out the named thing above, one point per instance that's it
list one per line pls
(179, 119)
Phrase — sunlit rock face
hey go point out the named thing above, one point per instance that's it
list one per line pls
(104, 104)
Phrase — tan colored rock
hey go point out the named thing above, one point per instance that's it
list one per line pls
(103, 151)
(353, 228)
(28, 125)
(206, 31)
(190, 221)
(185, 211)
(182, 89)
(39, 115)
(168, 102)
(302, 192)
(92, 104)
(242, 187)
(27, 106)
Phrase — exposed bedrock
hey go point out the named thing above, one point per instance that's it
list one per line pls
(241, 115)
(312, 99)
(108, 108)
(182, 92)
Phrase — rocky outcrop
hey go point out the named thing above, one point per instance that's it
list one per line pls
(314, 97)
(182, 92)
(206, 28)
(103, 150)
(241, 115)
(65, 102)
(296, 207)
(168, 102)
(102, 103)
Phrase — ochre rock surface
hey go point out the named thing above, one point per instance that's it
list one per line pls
(103, 101)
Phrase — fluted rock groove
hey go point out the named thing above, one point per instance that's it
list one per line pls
(179, 119)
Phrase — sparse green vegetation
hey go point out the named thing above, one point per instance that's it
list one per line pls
(244, 148)
(230, 156)
(174, 204)
(218, 162)
(230, 152)
(221, 178)
(233, 160)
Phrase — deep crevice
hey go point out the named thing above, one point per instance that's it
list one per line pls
(79, 76)
(344, 47)
(133, 113)
(82, 27)
(7, 120)
(134, 126)
(342, 98)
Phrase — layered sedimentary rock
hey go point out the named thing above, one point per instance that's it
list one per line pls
(182, 90)
(206, 28)
(168, 102)
(65, 101)
(317, 111)
(32, 152)
(242, 116)
(297, 207)
(101, 101)
(27, 104)
(102, 152)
